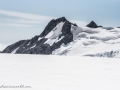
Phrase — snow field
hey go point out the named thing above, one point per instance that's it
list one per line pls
(43, 72)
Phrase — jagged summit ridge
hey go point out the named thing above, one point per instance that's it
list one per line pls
(51, 25)
(57, 32)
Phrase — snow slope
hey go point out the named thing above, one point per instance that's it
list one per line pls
(59, 72)
(53, 36)
(87, 41)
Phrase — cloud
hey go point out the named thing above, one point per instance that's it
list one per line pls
(21, 22)
(23, 19)
(29, 20)
(15, 25)
(26, 15)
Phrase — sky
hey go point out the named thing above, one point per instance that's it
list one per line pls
(23, 19)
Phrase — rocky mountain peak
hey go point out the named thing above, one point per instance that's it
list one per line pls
(57, 32)
(92, 24)
(51, 25)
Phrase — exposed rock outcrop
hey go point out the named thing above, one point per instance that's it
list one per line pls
(37, 44)
(92, 24)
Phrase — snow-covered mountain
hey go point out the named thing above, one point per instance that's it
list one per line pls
(61, 37)
(54, 35)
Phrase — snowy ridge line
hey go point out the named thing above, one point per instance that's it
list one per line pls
(94, 42)
(61, 37)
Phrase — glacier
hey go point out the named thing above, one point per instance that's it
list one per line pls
(97, 42)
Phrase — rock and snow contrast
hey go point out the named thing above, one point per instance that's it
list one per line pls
(55, 34)
(51, 71)
(61, 37)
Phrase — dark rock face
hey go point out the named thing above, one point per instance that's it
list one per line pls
(37, 44)
(92, 24)
(51, 25)
(108, 28)
(100, 26)
(109, 54)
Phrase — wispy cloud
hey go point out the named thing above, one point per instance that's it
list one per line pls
(23, 19)
(28, 20)
(21, 22)
(25, 15)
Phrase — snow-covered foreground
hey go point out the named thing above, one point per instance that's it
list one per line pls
(59, 72)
